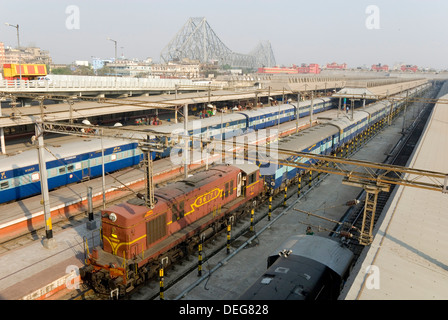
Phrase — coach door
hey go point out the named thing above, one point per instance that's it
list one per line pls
(238, 185)
(85, 169)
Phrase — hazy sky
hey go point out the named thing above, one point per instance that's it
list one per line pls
(314, 31)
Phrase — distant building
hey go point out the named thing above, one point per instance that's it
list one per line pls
(98, 63)
(2, 55)
(175, 70)
(82, 63)
(58, 65)
(275, 70)
(128, 68)
(408, 68)
(335, 66)
(311, 68)
(304, 68)
(27, 55)
(236, 71)
(379, 67)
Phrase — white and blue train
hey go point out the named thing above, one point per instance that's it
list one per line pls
(324, 139)
(72, 162)
(227, 125)
(77, 161)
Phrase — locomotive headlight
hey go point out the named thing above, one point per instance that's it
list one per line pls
(113, 217)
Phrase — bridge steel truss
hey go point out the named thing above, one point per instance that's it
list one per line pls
(196, 40)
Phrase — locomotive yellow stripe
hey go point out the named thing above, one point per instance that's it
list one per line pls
(203, 199)
(252, 184)
(115, 246)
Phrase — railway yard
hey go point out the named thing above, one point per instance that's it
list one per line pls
(156, 229)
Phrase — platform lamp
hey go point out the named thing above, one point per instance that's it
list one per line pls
(115, 47)
(18, 47)
(297, 111)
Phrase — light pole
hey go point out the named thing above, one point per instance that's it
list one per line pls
(18, 47)
(297, 110)
(115, 47)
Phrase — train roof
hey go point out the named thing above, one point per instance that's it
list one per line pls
(247, 168)
(285, 106)
(129, 212)
(345, 121)
(215, 120)
(179, 188)
(296, 269)
(54, 152)
(306, 139)
(266, 110)
(291, 278)
(323, 250)
(302, 141)
(375, 107)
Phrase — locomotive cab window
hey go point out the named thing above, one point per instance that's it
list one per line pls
(251, 178)
(4, 185)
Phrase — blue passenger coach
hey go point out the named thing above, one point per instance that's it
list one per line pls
(228, 125)
(72, 162)
(323, 139)
(77, 161)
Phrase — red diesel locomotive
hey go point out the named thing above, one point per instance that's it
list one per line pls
(137, 239)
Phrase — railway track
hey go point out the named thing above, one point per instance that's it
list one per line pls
(399, 156)
(214, 246)
(241, 235)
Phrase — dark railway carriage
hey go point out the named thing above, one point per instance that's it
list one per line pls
(137, 239)
(303, 268)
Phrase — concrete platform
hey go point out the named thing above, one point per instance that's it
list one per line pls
(35, 273)
(408, 260)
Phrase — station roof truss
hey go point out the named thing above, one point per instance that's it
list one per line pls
(360, 171)
(371, 176)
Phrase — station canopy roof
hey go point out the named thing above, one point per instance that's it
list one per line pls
(353, 92)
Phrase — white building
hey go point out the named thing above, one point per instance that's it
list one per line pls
(81, 63)
(172, 70)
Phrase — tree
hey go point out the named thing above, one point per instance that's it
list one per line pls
(64, 70)
(105, 71)
(84, 71)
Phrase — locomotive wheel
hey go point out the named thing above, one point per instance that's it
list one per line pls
(100, 282)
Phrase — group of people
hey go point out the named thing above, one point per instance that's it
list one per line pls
(212, 111)
(206, 114)
(149, 120)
